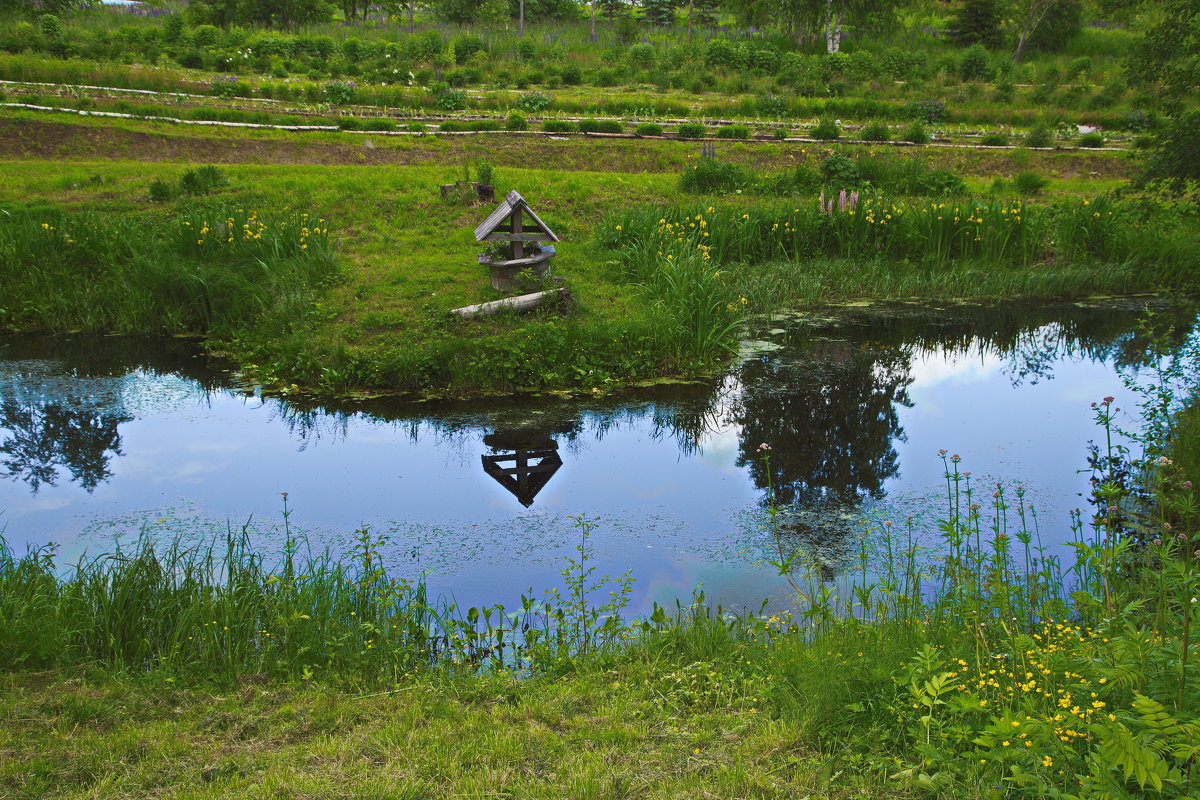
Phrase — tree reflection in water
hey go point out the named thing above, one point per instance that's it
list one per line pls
(827, 402)
(63, 400)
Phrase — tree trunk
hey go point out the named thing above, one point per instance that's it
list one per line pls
(691, 6)
(1037, 12)
(521, 15)
(411, 8)
(593, 20)
(833, 28)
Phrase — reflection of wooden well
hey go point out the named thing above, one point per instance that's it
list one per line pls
(528, 465)
(527, 246)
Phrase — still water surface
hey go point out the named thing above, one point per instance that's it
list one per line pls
(101, 438)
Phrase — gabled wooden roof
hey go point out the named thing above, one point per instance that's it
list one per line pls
(514, 201)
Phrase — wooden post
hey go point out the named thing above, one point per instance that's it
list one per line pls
(518, 247)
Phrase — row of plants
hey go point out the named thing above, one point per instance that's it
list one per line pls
(254, 51)
(853, 224)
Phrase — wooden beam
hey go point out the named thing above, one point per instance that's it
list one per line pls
(525, 302)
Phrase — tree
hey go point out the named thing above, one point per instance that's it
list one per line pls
(660, 12)
(1167, 59)
(1032, 14)
(283, 14)
(1174, 160)
(977, 22)
(34, 8)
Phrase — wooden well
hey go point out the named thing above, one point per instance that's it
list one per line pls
(528, 243)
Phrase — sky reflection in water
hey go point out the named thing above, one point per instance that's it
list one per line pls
(100, 438)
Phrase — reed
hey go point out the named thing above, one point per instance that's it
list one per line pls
(212, 270)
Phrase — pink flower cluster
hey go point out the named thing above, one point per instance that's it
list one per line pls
(845, 202)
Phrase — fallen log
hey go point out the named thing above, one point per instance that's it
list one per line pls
(524, 302)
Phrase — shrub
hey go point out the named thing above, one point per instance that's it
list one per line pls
(1092, 140)
(827, 129)
(841, 172)
(648, 129)
(467, 46)
(485, 172)
(1029, 183)
(770, 105)
(515, 121)
(1039, 136)
(559, 126)
(690, 130)
(875, 132)
(347, 123)
(534, 102)
(709, 176)
(994, 140)
(976, 64)
(201, 181)
(376, 125)
(600, 126)
(416, 127)
(1175, 148)
(446, 98)
(915, 133)
(928, 111)
(161, 191)
(733, 132)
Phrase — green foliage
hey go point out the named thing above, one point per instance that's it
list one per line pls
(826, 129)
(161, 191)
(559, 126)
(212, 272)
(1029, 183)
(875, 132)
(976, 64)
(600, 126)
(736, 131)
(649, 129)
(709, 176)
(1092, 140)
(915, 133)
(534, 102)
(1039, 135)
(515, 121)
(977, 22)
(994, 140)
(202, 180)
(690, 130)
(1173, 159)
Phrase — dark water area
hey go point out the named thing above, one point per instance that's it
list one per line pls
(106, 439)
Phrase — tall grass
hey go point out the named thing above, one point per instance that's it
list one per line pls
(208, 271)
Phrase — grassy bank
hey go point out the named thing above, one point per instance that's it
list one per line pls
(986, 668)
(406, 256)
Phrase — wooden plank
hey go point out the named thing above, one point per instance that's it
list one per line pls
(493, 221)
(528, 236)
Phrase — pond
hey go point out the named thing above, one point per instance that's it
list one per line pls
(106, 439)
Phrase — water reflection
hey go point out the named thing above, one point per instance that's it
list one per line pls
(854, 404)
(63, 400)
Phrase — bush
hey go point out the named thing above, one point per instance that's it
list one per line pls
(1092, 140)
(827, 129)
(976, 64)
(915, 133)
(559, 126)
(1029, 183)
(733, 132)
(930, 112)
(994, 140)
(875, 132)
(710, 176)
(161, 191)
(841, 172)
(690, 130)
(600, 126)
(1039, 136)
(465, 47)
(201, 181)
(515, 121)
(534, 102)
(648, 129)
(1174, 158)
